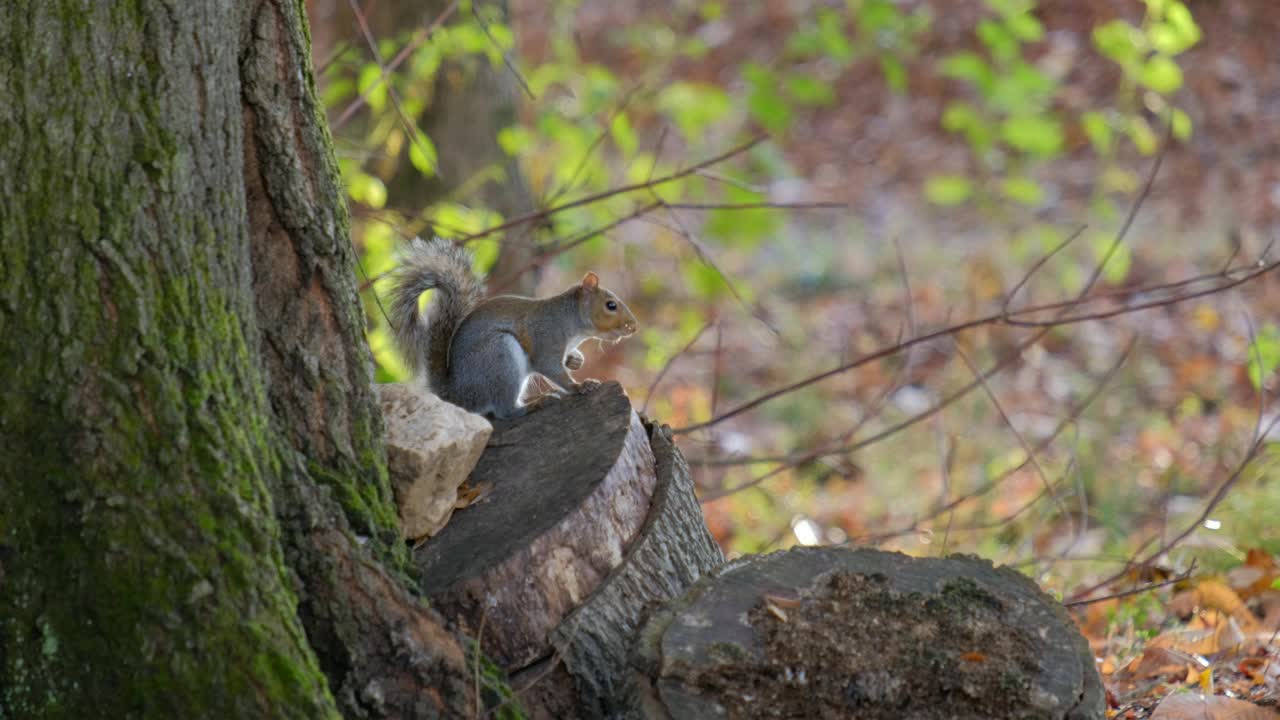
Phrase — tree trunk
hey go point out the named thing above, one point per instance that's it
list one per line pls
(197, 517)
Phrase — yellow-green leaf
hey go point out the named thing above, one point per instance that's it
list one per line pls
(1162, 74)
(1022, 190)
(948, 189)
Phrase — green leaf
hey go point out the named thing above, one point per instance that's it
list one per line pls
(804, 43)
(694, 47)
(515, 139)
(624, 136)
(1181, 125)
(1120, 41)
(875, 16)
(895, 74)
(1142, 136)
(1162, 74)
(1022, 90)
(422, 153)
(764, 102)
(1002, 43)
(1115, 179)
(1264, 355)
(968, 66)
(831, 31)
(370, 85)
(702, 279)
(1025, 27)
(1039, 135)
(694, 107)
(809, 90)
(1022, 190)
(452, 219)
(948, 189)
(743, 228)
(337, 90)
(964, 118)
(959, 116)
(1117, 267)
(1008, 8)
(1098, 130)
(368, 190)
(1178, 33)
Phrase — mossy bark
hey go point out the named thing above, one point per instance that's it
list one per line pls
(196, 519)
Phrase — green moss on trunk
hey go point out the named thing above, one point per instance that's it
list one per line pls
(143, 573)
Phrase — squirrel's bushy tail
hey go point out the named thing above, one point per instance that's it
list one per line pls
(439, 265)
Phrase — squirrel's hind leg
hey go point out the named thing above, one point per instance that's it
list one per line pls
(496, 369)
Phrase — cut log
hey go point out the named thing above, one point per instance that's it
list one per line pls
(839, 633)
(587, 518)
(673, 550)
(563, 490)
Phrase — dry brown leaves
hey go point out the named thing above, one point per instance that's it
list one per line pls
(1216, 658)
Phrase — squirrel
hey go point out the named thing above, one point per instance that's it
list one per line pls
(479, 354)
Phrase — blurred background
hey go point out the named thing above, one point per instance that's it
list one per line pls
(778, 188)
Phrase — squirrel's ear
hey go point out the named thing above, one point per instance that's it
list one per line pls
(590, 281)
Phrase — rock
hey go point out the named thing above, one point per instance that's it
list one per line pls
(432, 447)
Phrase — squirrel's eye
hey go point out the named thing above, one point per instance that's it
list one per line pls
(611, 305)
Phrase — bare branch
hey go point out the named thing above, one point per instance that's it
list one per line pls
(1181, 577)
(543, 214)
(1072, 416)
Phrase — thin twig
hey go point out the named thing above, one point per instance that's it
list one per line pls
(671, 361)
(409, 126)
(595, 144)
(1186, 575)
(539, 215)
(1252, 454)
(1022, 441)
(506, 59)
(1072, 416)
(395, 63)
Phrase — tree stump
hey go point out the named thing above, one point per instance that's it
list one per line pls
(586, 518)
(839, 633)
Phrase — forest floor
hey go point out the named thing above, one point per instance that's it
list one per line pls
(1138, 465)
(1130, 456)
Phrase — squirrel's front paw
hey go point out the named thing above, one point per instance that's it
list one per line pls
(574, 360)
(586, 386)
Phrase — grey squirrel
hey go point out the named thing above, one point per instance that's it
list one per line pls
(479, 354)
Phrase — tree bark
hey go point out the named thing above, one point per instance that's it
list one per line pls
(197, 516)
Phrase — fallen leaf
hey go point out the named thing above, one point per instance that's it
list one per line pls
(1158, 661)
(1206, 680)
(1226, 636)
(1216, 595)
(776, 611)
(790, 602)
(1194, 706)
